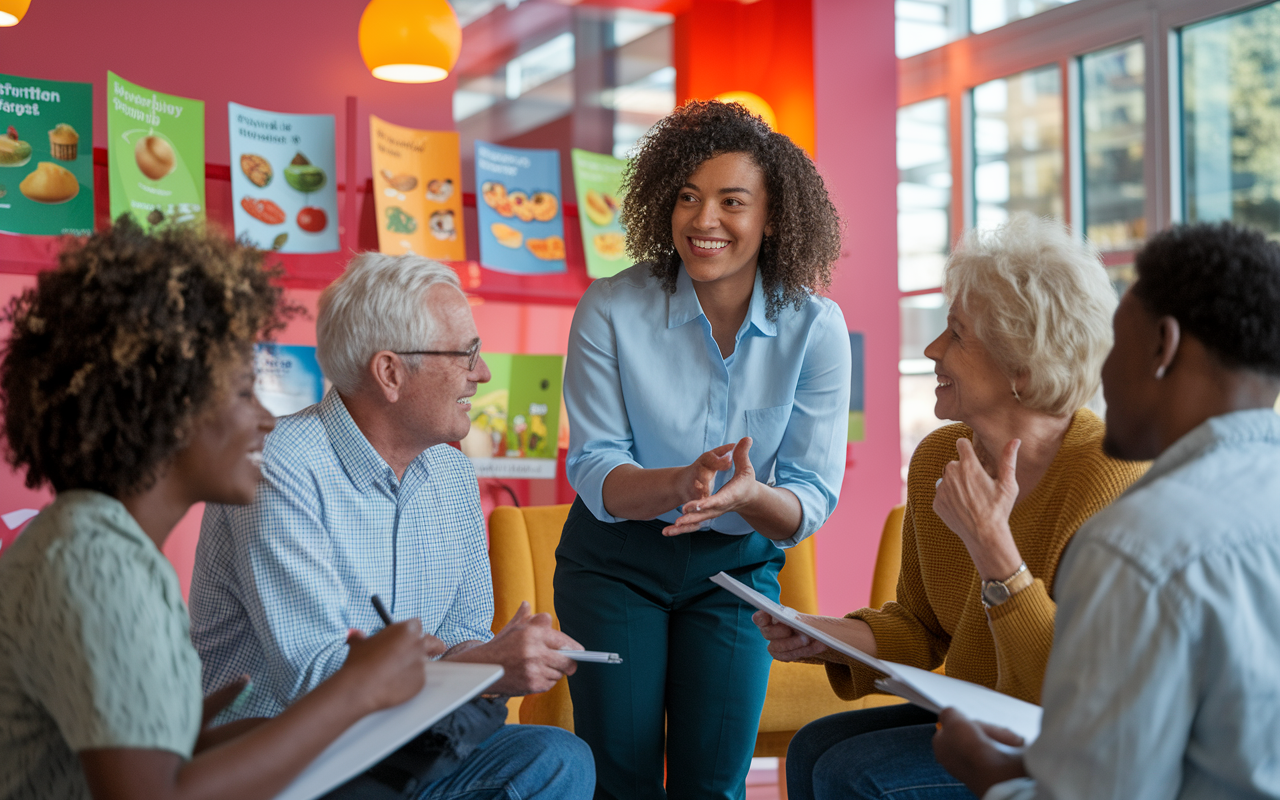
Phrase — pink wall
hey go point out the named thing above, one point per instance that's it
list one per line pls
(297, 57)
(856, 87)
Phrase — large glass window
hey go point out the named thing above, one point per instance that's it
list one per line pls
(924, 194)
(1017, 144)
(923, 318)
(1231, 119)
(921, 25)
(987, 14)
(1113, 124)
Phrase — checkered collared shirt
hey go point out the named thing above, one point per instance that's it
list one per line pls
(279, 583)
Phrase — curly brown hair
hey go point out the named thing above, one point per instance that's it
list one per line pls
(115, 353)
(795, 261)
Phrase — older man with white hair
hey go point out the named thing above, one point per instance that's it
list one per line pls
(361, 495)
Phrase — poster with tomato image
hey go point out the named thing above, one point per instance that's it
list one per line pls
(283, 187)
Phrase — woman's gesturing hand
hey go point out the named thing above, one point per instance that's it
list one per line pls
(977, 508)
(700, 476)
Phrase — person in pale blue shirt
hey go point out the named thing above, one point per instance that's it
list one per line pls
(707, 390)
(362, 495)
(1162, 679)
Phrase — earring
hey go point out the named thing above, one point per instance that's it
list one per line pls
(1013, 388)
(1160, 372)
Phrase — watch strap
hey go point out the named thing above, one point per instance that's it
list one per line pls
(996, 592)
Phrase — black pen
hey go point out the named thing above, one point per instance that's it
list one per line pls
(382, 610)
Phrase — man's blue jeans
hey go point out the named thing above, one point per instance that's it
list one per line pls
(515, 763)
(884, 752)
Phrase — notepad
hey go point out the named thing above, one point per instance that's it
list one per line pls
(928, 690)
(449, 685)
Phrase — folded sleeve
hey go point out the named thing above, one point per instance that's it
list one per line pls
(600, 437)
(106, 656)
(906, 630)
(811, 456)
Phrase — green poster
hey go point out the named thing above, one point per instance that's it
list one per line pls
(46, 172)
(597, 180)
(155, 154)
(515, 417)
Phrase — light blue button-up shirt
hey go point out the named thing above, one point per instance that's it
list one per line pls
(1164, 680)
(279, 582)
(645, 384)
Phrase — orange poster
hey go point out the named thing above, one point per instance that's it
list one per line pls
(417, 187)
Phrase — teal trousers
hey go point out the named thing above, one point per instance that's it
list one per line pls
(694, 669)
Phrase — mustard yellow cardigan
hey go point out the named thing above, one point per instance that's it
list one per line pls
(939, 614)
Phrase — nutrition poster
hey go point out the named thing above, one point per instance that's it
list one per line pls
(857, 391)
(46, 175)
(515, 418)
(155, 154)
(597, 181)
(287, 377)
(518, 205)
(283, 194)
(417, 188)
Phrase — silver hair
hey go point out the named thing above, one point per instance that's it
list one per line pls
(1041, 304)
(376, 304)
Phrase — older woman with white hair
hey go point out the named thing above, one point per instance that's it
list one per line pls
(992, 501)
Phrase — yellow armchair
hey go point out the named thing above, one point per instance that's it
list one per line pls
(522, 544)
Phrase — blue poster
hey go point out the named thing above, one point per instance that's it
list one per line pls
(288, 377)
(521, 227)
(857, 390)
(282, 182)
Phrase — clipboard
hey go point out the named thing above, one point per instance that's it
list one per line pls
(929, 690)
(378, 735)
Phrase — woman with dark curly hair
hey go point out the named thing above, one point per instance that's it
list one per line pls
(708, 390)
(127, 385)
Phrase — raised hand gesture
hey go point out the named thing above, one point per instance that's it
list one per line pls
(977, 508)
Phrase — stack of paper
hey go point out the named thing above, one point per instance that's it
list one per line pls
(928, 690)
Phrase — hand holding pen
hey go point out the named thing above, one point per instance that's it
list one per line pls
(434, 646)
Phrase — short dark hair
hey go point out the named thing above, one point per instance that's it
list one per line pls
(116, 352)
(796, 260)
(1221, 282)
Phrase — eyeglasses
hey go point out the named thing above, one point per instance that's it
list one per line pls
(472, 353)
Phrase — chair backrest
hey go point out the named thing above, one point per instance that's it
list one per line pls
(522, 557)
(884, 584)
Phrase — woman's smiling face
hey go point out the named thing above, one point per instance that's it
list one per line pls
(720, 218)
(970, 383)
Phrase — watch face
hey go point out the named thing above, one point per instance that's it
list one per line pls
(995, 593)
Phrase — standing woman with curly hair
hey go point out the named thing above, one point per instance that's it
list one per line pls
(708, 391)
(127, 385)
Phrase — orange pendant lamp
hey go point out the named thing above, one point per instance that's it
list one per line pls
(12, 12)
(409, 41)
(754, 103)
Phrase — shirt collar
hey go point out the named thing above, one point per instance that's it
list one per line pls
(683, 306)
(1235, 428)
(363, 465)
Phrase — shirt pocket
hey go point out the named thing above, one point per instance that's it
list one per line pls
(766, 427)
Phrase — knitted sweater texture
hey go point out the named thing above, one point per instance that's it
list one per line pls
(938, 614)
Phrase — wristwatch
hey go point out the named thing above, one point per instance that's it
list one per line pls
(996, 592)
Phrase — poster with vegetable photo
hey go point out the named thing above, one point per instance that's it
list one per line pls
(518, 209)
(417, 189)
(515, 418)
(155, 154)
(283, 193)
(597, 181)
(46, 175)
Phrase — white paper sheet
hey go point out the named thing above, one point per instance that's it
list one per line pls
(449, 685)
(928, 690)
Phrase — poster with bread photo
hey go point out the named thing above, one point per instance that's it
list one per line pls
(284, 195)
(155, 154)
(46, 172)
(597, 181)
(417, 188)
(518, 209)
